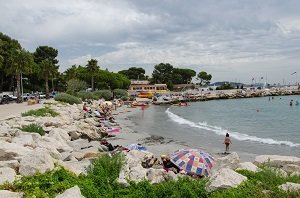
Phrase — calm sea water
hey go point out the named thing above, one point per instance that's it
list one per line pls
(256, 126)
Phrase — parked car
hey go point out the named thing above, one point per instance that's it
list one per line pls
(4, 99)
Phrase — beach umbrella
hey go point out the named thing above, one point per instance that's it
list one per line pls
(137, 147)
(193, 161)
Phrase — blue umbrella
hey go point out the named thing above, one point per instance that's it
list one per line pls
(137, 147)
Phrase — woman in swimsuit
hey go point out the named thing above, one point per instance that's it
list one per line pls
(227, 141)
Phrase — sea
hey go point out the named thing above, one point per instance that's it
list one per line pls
(257, 126)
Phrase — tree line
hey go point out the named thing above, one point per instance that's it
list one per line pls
(39, 69)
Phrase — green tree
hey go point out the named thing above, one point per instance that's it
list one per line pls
(75, 85)
(21, 61)
(204, 78)
(93, 68)
(134, 73)
(182, 76)
(162, 73)
(45, 57)
(7, 45)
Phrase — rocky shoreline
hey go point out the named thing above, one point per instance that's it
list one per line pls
(229, 94)
(72, 141)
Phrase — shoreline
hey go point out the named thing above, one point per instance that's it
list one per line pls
(158, 145)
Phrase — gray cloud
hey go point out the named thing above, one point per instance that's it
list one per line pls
(232, 39)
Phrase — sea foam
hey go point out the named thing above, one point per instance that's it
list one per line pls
(219, 131)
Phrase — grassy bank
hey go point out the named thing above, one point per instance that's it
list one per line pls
(101, 182)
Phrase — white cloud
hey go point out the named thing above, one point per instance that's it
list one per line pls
(224, 37)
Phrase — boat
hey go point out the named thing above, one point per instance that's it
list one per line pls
(181, 105)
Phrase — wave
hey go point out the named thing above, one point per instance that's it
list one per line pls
(219, 131)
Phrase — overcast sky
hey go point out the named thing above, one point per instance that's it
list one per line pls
(231, 39)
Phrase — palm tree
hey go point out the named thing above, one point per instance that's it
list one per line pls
(21, 61)
(93, 69)
(47, 69)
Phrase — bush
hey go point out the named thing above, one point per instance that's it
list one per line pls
(225, 87)
(100, 181)
(119, 93)
(106, 94)
(43, 112)
(33, 128)
(85, 95)
(63, 97)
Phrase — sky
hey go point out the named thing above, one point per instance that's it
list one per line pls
(234, 40)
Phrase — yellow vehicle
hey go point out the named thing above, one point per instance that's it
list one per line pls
(145, 95)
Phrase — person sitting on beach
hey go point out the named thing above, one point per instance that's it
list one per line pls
(84, 108)
(168, 165)
(227, 141)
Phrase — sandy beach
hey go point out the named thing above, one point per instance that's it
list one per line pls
(155, 144)
(15, 109)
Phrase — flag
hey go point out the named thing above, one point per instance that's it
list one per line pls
(293, 73)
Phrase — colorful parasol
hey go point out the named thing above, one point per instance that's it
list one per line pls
(193, 161)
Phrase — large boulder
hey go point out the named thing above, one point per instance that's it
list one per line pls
(8, 194)
(11, 151)
(59, 134)
(229, 161)
(276, 160)
(14, 164)
(73, 192)
(223, 179)
(58, 143)
(133, 169)
(159, 175)
(76, 167)
(27, 139)
(37, 161)
(290, 187)
(88, 153)
(79, 144)
(248, 166)
(7, 175)
(291, 168)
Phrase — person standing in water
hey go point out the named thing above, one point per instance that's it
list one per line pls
(227, 141)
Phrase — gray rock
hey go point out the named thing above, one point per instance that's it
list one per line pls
(79, 144)
(8, 194)
(229, 161)
(73, 192)
(37, 161)
(11, 151)
(14, 164)
(290, 187)
(223, 179)
(59, 144)
(248, 166)
(59, 134)
(24, 140)
(276, 160)
(76, 167)
(7, 175)
(291, 168)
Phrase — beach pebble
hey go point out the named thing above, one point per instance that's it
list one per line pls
(223, 179)
(73, 192)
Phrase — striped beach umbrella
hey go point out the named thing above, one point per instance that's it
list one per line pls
(193, 161)
(137, 147)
